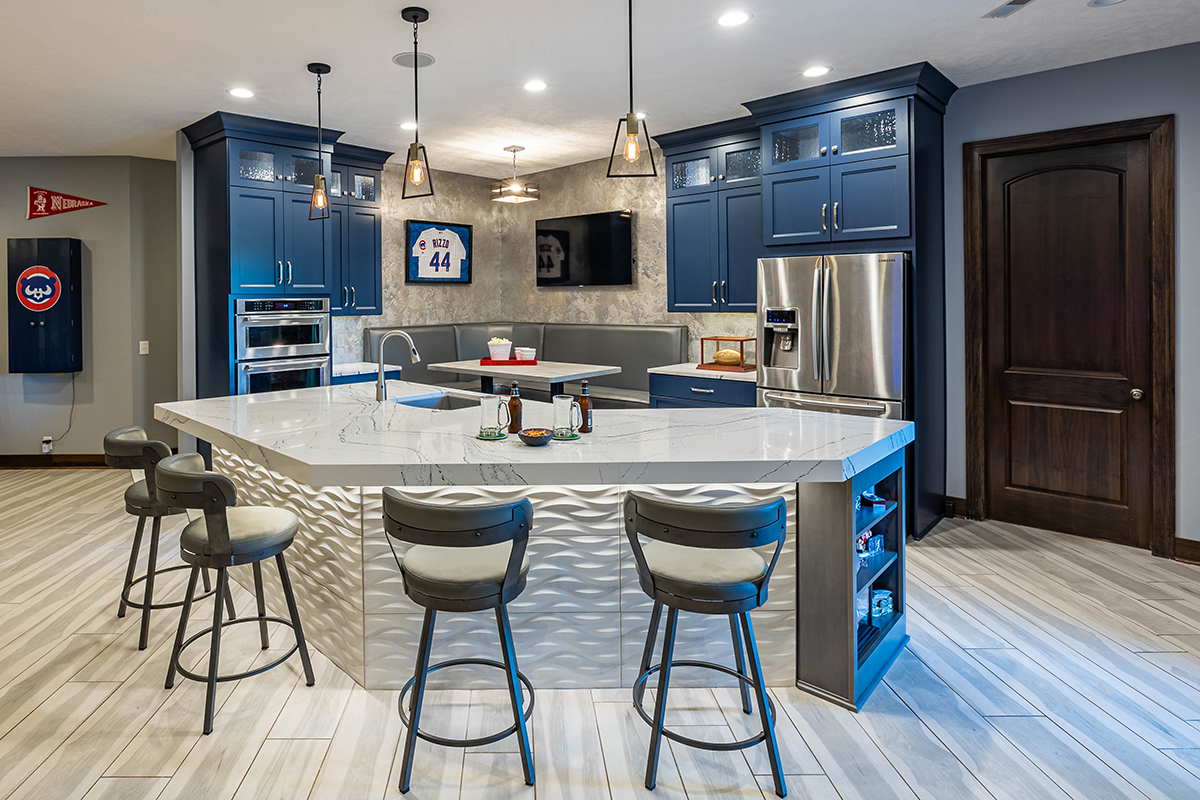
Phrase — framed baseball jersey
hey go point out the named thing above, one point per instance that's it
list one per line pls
(437, 252)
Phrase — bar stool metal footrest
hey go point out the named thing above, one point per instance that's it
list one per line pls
(639, 690)
(482, 740)
(177, 604)
(178, 656)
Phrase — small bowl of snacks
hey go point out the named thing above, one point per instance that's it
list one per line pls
(499, 349)
(536, 437)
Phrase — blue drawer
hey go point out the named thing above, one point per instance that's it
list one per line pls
(365, 377)
(710, 390)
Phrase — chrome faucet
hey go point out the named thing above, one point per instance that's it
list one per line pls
(380, 386)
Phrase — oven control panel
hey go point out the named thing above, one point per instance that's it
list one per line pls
(318, 304)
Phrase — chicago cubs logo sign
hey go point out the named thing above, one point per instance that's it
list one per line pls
(38, 288)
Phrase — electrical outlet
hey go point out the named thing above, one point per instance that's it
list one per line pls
(47, 444)
(143, 348)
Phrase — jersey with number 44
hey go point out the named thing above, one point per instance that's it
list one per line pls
(439, 254)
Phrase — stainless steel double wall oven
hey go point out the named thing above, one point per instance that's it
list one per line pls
(281, 344)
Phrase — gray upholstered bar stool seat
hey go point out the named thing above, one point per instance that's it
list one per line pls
(130, 448)
(701, 559)
(227, 535)
(463, 558)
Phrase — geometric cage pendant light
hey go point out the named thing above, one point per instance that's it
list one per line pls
(631, 154)
(318, 207)
(418, 182)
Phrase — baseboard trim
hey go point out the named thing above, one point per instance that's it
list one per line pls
(1187, 550)
(52, 461)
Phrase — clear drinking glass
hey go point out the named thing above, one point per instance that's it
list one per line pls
(493, 416)
(567, 416)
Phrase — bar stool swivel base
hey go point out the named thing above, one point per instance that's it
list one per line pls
(481, 740)
(639, 691)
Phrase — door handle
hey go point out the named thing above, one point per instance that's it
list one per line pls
(835, 149)
(825, 322)
(345, 296)
(353, 297)
(289, 273)
(724, 297)
(878, 408)
(280, 278)
(714, 293)
(824, 150)
(1137, 394)
(816, 339)
(824, 208)
(701, 391)
(835, 223)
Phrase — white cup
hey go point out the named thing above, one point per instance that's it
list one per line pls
(526, 353)
(490, 411)
(566, 411)
(499, 352)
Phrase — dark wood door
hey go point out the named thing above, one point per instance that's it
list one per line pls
(1067, 344)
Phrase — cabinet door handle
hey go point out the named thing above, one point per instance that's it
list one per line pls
(824, 150)
(289, 273)
(835, 149)
(712, 177)
(824, 207)
(280, 278)
(345, 302)
(353, 295)
(702, 391)
(835, 224)
(714, 293)
(724, 297)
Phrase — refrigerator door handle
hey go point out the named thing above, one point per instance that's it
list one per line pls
(816, 339)
(825, 322)
(876, 407)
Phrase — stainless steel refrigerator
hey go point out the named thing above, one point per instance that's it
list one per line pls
(832, 334)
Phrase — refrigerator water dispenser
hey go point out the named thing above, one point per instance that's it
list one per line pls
(781, 339)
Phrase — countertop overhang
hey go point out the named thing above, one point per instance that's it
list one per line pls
(342, 436)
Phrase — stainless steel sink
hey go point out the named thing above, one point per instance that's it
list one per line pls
(445, 401)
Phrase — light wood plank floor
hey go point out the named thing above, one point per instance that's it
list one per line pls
(1041, 666)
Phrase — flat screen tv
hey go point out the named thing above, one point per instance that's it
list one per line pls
(588, 250)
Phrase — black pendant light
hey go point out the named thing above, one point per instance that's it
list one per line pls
(631, 155)
(319, 207)
(417, 180)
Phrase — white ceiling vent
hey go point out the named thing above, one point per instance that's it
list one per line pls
(1011, 7)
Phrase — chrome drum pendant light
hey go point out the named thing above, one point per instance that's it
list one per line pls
(319, 207)
(631, 155)
(417, 180)
(514, 191)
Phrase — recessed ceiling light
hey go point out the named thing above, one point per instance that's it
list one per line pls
(816, 72)
(1103, 3)
(405, 59)
(535, 86)
(408, 126)
(241, 92)
(732, 19)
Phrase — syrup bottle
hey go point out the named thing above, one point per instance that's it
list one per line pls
(514, 408)
(585, 408)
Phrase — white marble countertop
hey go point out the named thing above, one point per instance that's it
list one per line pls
(361, 368)
(550, 371)
(340, 436)
(689, 371)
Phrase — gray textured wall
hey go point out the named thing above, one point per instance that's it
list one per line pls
(128, 236)
(504, 285)
(1142, 85)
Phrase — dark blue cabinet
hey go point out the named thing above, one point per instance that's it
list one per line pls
(739, 164)
(739, 217)
(795, 144)
(878, 130)
(693, 261)
(692, 173)
(870, 199)
(306, 248)
(254, 164)
(796, 207)
(364, 186)
(339, 293)
(363, 270)
(256, 241)
(678, 391)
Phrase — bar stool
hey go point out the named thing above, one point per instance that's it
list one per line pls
(130, 448)
(227, 535)
(702, 559)
(464, 558)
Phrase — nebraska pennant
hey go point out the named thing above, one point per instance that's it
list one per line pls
(45, 203)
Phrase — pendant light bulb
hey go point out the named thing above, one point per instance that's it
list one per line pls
(416, 168)
(632, 150)
(320, 197)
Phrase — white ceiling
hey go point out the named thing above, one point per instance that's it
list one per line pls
(83, 77)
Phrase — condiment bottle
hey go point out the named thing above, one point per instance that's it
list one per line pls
(514, 408)
(585, 409)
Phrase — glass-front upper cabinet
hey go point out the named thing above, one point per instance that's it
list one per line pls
(692, 173)
(255, 165)
(739, 164)
(795, 144)
(300, 168)
(363, 186)
(878, 130)
(338, 184)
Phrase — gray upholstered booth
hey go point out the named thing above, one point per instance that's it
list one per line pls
(634, 348)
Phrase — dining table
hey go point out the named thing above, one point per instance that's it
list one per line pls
(556, 373)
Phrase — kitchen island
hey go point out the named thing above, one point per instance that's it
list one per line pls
(326, 453)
